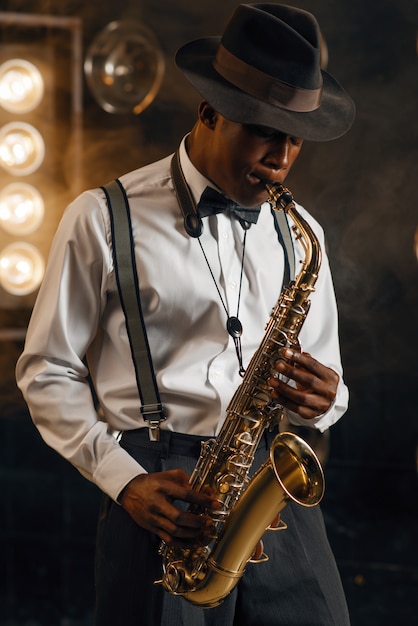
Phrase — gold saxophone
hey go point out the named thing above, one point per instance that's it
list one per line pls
(205, 572)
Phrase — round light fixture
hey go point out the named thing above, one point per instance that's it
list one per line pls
(124, 67)
(22, 148)
(21, 208)
(21, 268)
(21, 86)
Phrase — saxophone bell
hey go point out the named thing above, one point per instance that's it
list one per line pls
(291, 472)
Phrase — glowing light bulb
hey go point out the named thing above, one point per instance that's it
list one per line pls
(21, 86)
(21, 208)
(21, 268)
(22, 148)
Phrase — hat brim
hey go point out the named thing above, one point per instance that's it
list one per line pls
(331, 120)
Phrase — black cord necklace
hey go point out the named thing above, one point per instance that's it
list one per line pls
(233, 323)
(194, 227)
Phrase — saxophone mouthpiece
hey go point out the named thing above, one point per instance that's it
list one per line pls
(280, 196)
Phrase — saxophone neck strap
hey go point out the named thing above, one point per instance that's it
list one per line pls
(194, 226)
(281, 224)
(192, 222)
(128, 287)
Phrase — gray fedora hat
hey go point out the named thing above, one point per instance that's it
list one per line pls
(265, 70)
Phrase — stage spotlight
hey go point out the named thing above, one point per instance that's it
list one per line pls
(124, 67)
(21, 268)
(21, 208)
(21, 86)
(22, 148)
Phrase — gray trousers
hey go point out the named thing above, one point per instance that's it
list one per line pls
(298, 586)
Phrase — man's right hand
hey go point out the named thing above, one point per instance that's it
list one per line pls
(148, 498)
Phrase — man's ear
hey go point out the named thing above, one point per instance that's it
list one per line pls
(207, 114)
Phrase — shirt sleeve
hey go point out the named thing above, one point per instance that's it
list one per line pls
(51, 372)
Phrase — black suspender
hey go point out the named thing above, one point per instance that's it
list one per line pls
(128, 287)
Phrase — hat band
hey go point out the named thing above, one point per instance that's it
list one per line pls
(263, 86)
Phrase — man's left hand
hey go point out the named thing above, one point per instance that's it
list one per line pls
(316, 384)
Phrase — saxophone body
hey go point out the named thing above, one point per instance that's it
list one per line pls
(205, 572)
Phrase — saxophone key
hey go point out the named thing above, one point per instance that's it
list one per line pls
(258, 556)
(226, 483)
(239, 461)
(244, 438)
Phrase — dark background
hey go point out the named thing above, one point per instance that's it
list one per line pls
(362, 188)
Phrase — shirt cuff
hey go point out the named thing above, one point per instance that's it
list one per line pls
(324, 421)
(115, 471)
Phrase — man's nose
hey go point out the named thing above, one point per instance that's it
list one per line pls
(277, 157)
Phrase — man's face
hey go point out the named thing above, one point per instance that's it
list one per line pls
(242, 156)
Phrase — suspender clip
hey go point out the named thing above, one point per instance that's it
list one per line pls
(154, 430)
(156, 416)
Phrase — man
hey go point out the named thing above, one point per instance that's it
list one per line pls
(263, 93)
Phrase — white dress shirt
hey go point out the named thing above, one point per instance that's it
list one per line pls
(78, 314)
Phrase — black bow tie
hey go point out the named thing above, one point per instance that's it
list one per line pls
(212, 202)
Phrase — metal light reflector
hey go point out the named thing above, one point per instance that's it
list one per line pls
(21, 86)
(21, 208)
(124, 67)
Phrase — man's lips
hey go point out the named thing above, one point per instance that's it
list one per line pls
(263, 180)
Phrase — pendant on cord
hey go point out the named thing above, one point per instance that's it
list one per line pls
(234, 328)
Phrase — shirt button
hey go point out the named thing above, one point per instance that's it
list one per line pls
(233, 284)
(225, 235)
